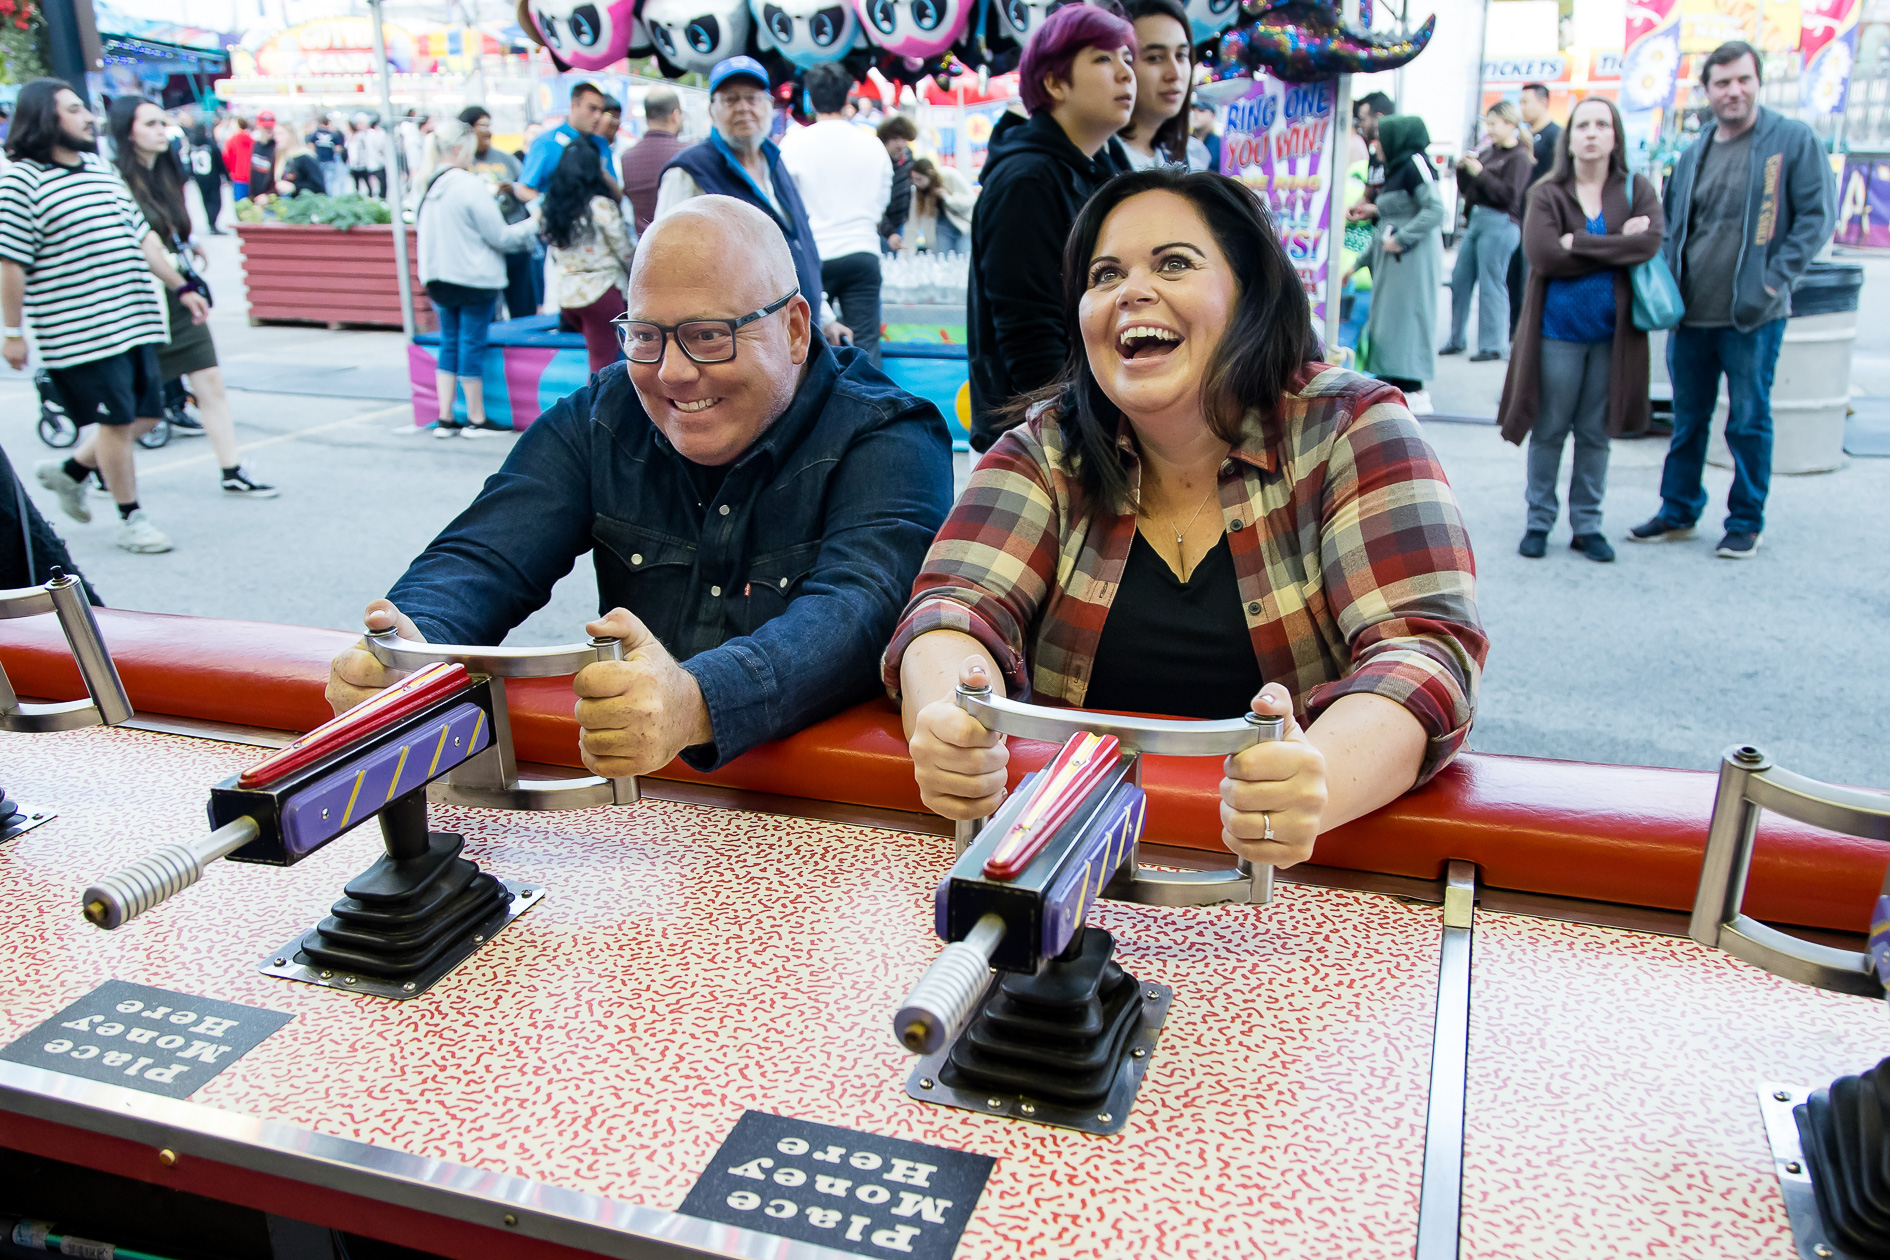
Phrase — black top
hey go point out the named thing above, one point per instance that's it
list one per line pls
(1174, 647)
(1034, 181)
(1545, 150)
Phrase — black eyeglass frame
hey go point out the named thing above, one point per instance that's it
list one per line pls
(623, 324)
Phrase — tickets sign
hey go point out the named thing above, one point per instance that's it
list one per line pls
(1280, 140)
(857, 1192)
(147, 1039)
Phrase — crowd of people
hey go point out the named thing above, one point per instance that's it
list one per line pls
(1556, 229)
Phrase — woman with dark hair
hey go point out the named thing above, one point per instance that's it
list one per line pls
(141, 149)
(1198, 518)
(1579, 363)
(1077, 79)
(940, 217)
(1164, 89)
(590, 250)
(1406, 259)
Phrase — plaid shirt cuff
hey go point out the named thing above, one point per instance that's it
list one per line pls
(941, 613)
(1426, 683)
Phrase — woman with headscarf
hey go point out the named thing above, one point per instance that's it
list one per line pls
(1406, 262)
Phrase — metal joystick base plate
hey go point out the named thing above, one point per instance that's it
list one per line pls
(1809, 1240)
(1109, 1116)
(289, 963)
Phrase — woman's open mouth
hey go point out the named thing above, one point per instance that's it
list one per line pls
(1146, 341)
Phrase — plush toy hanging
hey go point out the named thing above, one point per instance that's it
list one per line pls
(1300, 41)
(691, 36)
(808, 32)
(914, 30)
(584, 34)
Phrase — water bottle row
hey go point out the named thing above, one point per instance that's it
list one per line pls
(924, 279)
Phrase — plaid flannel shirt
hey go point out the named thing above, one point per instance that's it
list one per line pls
(1352, 560)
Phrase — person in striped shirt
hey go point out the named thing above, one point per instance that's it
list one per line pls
(77, 258)
(1197, 518)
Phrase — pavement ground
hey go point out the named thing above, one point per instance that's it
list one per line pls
(1663, 658)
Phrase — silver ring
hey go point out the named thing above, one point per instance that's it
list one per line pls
(1268, 833)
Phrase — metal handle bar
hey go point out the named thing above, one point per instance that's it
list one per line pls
(1163, 737)
(1749, 782)
(64, 596)
(496, 662)
(490, 780)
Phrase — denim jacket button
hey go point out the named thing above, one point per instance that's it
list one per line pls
(784, 584)
(716, 591)
(637, 558)
(723, 509)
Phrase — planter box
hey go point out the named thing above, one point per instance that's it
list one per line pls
(303, 273)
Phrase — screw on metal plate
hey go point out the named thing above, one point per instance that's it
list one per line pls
(509, 1219)
(1152, 994)
(1746, 752)
(347, 979)
(477, 937)
(926, 1083)
(1140, 1052)
(994, 1102)
(1782, 1095)
(282, 962)
(407, 987)
(168, 1158)
(1029, 1109)
(1794, 1167)
(324, 815)
(38, 817)
(328, 975)
(1104, 1118)
(1822, 1250)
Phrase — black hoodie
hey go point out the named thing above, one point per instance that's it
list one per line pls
(1034, 183)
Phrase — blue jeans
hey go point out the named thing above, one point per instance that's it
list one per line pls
(1696, 358)
(1483, 270)
(463, 337)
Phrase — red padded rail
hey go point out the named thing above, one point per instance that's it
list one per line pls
(1626, 834)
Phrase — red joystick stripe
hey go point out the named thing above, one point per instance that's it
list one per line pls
(1060, 790)
(423, 687)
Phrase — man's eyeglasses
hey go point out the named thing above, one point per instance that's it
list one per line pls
(703, 340)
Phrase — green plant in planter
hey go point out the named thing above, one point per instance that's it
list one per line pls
(248, 211)
(347, 211)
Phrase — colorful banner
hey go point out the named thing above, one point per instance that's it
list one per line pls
(1706, 24)
(1278, 140)
(1828, 38)
(1864, 204)
(1652, 56)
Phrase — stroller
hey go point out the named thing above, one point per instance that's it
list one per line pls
(59, 429)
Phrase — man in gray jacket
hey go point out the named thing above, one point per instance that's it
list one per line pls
(1748, 206)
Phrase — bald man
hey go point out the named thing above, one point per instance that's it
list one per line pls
(755, 502)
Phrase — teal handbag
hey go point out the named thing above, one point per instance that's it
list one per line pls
(1657, 302)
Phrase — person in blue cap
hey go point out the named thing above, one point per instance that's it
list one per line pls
(738, 160)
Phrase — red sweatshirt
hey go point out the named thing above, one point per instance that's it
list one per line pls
(236, 155)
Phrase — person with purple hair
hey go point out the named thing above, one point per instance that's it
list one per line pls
(1077, 79)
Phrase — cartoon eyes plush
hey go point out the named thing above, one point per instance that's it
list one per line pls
(1208, 18)
(807, 32)
(693, 35)
(913, 28)
(587, 34)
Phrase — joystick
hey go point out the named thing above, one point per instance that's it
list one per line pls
(1063, 1035)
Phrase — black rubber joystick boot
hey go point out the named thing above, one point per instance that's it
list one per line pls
(12, 817)
(1058, 1036)
(414, 904)
(1845, 1132)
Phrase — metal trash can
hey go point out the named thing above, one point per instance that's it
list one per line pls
(1811, 392)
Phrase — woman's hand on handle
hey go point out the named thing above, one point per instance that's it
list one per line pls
(1277, 786)
(958, 764)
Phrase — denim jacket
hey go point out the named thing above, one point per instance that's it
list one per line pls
(778, 592)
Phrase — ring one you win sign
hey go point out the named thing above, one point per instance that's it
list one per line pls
(1281, 139)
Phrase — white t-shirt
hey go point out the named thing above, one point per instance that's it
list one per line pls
(845, 181)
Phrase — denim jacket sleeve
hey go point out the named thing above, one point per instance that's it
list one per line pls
(885, 501)
(495, 565)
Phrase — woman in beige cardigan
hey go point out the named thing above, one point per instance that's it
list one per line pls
(1578, 363)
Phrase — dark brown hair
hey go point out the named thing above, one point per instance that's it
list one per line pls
(1268, 338)
(157, 188)
(1171, 138)
(1564, 169)
(1729, 52)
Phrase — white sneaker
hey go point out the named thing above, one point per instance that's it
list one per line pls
(1419, 401)
(446, 432)
(137, 533)
(51, 473)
